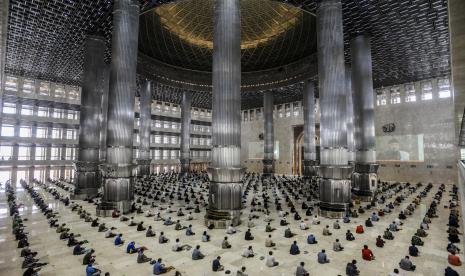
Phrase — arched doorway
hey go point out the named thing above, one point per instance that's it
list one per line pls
(298, 152)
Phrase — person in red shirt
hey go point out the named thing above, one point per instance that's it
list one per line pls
(367, 254)
(359, 229)
(454, 259)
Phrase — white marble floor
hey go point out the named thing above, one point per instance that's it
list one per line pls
(432, 259)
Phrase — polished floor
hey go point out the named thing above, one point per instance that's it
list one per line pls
(432, 259)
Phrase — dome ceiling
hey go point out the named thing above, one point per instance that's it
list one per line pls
(272, 34)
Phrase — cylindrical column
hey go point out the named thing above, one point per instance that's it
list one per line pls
(104, 114)
(334, 170)
(86, 166)
(225, 172)
(268, 150)
(309, 129)
(350, 116)
(145, 120)
(118, 171)
(365, 177)
(186, 106)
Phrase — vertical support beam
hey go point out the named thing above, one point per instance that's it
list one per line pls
(225, 171)
(186, 107)
(350, 116)
(104, 114)
(365, 176)
(309, 129)
(4, 6)
(117, 172)
(86, 166)
(268, 150)
(145, 120)
(334, 171)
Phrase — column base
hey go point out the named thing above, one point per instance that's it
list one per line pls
(143, 167)
(222, 219)
(185, 166)
(105, 209)
(87, 180)
(268, 167)
(365, 182)
(83, 194)
(334, 191)
(309, 169)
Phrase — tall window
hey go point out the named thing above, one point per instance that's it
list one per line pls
(27, 110)
(24, 153)
(410, 93)
(288, 110)
(280, 111)
(28, 86)
(9, 108)
(166, 124)
(42, 111)
(395, 95)
(8, 130)
(69, 154)
(444, 88)
(73, 93)
(40, 153)
(60, 91)
(174, 140)
(72, 115)
(11, 84)
(6, 152)
(166, 139)
(258, 113)
(426, 91)
(70, 134)
(381, 98)
(44, 89)
(25, 131)
(41, 132)
(296, 109)
(158, 139)
(56, 133)
(166, 154)
(252, 114)
(56, 153)
(157, 154)
(245, 116)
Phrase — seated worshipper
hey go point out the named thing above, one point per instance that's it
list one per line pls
(189, 231)
(131, 248)
(72, 240)
(178, 226)
(393, 227)
(88, 258)
(250, 224)
(168, 222)
(421, 232)
(268, 228)
(61, 228)
(216, 265)
(346, 219)
(189, 216)
(283, 222)
(337, 246)
(402, 216)
(248, 235)
(349, 236)
(336, 225)
(225, 244)
(351, 269)
(374, 217)
(448, 272)
(326, 231)
(196, 254)
(180, 213)
(30, 271)
(288, 233)
(294, 249)
(270, 260)
(26, 251)
(413, 250)
(296, 216)
(159, 268)
(394, 273)
(311, 239)
(303, 225)
(94, 223)
(406, 264)
(140, 226)
(92, 271)
(322, 258)
(178, 247)
(454, 238)
(150, 233)
(162, 238)
(141, 258)
(114, 214)
(269, 242)
(315, 220)
(417, 241)
(453, 259)
(368, 223)
(241, 272)
(132, 222)
(158, 217)
(301, 270)
(231, 230)
(367, 254)
(388, 234)
(118, 240)
(148, 213)
(379, 242)
(205, 237)
(79, 250)
(452, 248)
(359, 229)
(248, 253)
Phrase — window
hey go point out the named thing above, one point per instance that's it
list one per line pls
(41, 132)
(56, 133)
(6, 152)
(28, 86)
(73, 93)
(166, 124)
(157, 154)
(40, 153)
(444, 88)
(296, 109)
(9, 108)
(60, 91)
(70, 134)
(174, 154)
(280, 111)
(410, 95)
(25, 131)
(174, 140)
(288, 110)
(58, 113)
(158, 107)
(69, 154)
(11, 84)
(44, 89)
(201, 141)
(395, 95)
(136, 138)
(209, 114)
(56, 153)
(381, 97)
(166, 107)
(426, 91)
(42, 111)
(196, 112)
(174, 125)
(166, 139)
(8, 130)
(166, 154)
(27, 110)
(158, 139)
(174, 108)
(24, 153)
(258, 113)
(245, 116)
(158, 124)
(252, 115)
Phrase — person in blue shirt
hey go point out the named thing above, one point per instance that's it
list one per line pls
(374, 217)
(196, 254)
(92, 271)
(311, 239)
(294, 249)
(189, 231)
(118, 240)
(322, 258)
(216, 265)
(413, 250)
(131, 248)
(158, 267)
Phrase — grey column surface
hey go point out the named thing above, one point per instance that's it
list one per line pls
(268, 127)
(145, 119)
(118, 171)
(63, 157)
(309, 129)
(365, 177)
(334, 171)
(104, 114)
(186, 106)
(225, 171)
(4, 4)
(86, 167)
(350, 116)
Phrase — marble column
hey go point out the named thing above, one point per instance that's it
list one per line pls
(365, 176)
(145, 120)
(86, 167)
(225, 171)
(350, 116)
(310, 161)
(268, 150)
(104, 114)
(118, 171)
(334, 171)
(186, 106)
